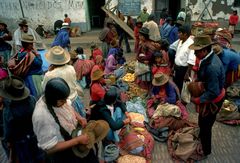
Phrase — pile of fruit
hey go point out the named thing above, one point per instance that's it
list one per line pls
(135, 91)
(129, 77)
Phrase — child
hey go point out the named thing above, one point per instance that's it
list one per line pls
(161, 64)
(233, 21)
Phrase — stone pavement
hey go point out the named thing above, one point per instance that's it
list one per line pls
(225, 139)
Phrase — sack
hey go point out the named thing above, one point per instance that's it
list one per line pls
(20, 68)
(185, 94)
(141, 68)
(102, 35)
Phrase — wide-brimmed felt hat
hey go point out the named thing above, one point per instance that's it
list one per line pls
(160, 79)
(4, 24)
(144, 31)
(96, 74)
(23, 23)
(13, 88)
(65, 25)
(73, 54)
(27, 38)
(201, 42)
(57, 56)
(96, 131)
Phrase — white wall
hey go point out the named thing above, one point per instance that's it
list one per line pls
(43, 11)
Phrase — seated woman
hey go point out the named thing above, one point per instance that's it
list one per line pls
(161, 63)
(54, 119)
(97, 90)
(112, 111)
(112, 66)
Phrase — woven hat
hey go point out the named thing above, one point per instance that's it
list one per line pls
(96, 131)
(201, 42)
(65, 25)
(13, 88)
(57, 56)
(96, 74)
(160, 79)
(23, 23)
(27, 38)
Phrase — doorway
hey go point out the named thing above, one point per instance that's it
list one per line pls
(96, 14)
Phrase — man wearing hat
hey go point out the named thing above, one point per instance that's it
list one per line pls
(211, 73)
(18, 130)
(5, 48)
(143, 15)
(23, 28)
(62, 38)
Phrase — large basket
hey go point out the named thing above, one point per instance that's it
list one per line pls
(207, 28)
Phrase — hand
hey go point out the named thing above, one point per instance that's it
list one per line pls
(83, 139)
(126, 121)
(83, 122)
(195, 100)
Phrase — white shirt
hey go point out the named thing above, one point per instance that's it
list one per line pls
(46, 128)
(184, 55)
(67, 73)
(154, 33)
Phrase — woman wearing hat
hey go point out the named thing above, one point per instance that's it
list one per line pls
(17, 116)
(97, 90)
(145, 57)
(112, 111)
(54, 120)
(5, 48)
(58, 58)
(31, 69)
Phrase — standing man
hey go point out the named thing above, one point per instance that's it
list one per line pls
(143, 15)
(184, 58)
(62, 38)
(67, 19)
(17, 36)
(211, 73)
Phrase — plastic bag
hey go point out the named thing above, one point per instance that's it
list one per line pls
(185, 94)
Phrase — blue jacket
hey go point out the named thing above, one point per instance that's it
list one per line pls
(62, 39)
(230, 59)
(173, 35)
(211, 73)
(165, 30)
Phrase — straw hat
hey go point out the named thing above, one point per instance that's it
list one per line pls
(96, 74)
(27, 38)
(13, 88)
(57, 56)
(96, 131)
(201, 42)
(160, 79)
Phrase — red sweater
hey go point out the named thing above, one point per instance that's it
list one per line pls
(233, 20)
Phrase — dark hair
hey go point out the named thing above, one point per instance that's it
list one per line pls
(56, 89)
(164, 44)
(110, 96)
(79, 50)
(151, 17)
(185, 29)
(66, 15)
(119, 52)
(158, 54)
(25, 44)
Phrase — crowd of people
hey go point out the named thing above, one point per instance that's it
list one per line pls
(43, 117)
